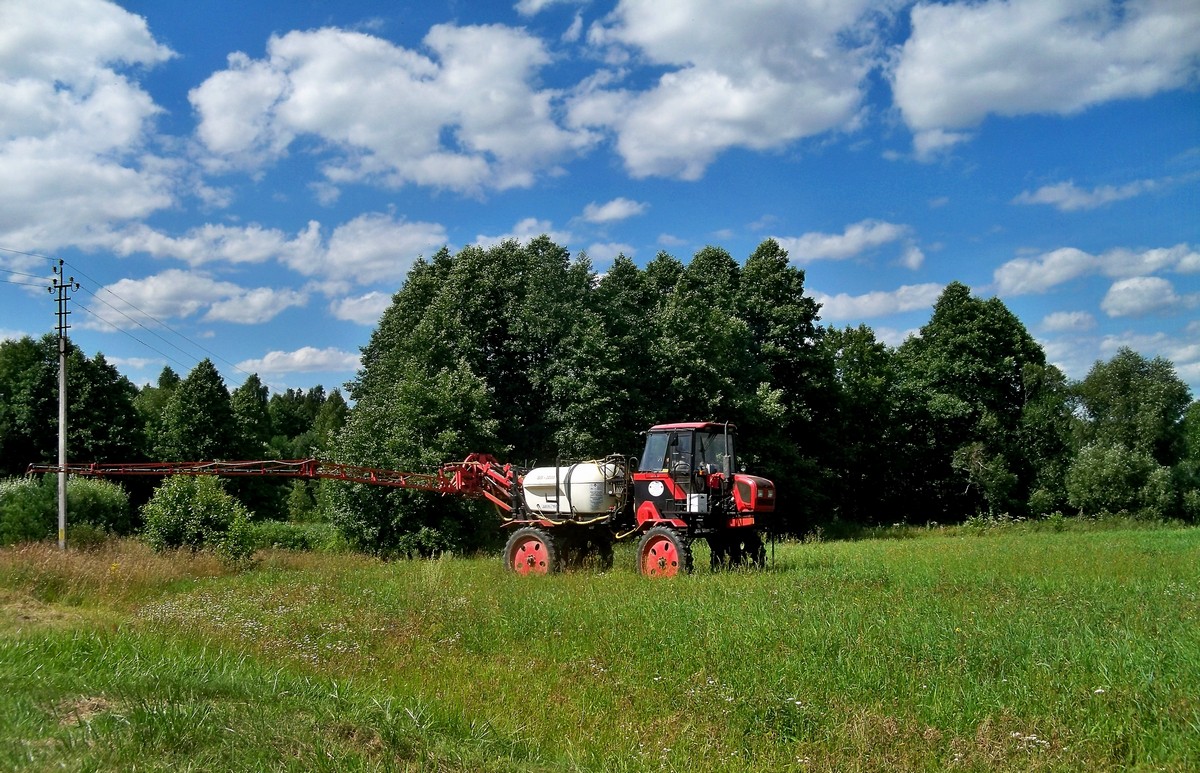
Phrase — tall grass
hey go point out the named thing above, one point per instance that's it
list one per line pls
(980, 651)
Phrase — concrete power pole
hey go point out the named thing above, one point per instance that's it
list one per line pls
(57, 285)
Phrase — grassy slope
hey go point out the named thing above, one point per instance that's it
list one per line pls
(1001, 651)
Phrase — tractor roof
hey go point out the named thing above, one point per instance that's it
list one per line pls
(693, 425)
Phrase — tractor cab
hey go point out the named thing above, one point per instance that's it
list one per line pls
(686, 476)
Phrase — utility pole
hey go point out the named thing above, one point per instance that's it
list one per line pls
(57, 285)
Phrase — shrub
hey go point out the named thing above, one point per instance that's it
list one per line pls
(98, 503)
(296, 536)
(1112, 479)
(29, 509)
(236, 544)
(195, 513)
(85, 536)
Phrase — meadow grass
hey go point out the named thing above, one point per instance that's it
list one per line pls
(985, 650)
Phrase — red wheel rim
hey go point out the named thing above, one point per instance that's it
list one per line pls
(661, 558)
(529, 556)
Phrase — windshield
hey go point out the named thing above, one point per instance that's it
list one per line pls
(712, 448)
(674, 451)
(655, 454)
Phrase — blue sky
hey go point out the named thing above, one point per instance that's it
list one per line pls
(249, 181)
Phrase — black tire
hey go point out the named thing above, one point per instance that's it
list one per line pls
(664, 551)
(584, 548)
(604, 551)
(745, 548)
(718, 552)
(531, 550)
(755, 552)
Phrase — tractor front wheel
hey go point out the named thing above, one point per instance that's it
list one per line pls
(530, 550)
(664, 552)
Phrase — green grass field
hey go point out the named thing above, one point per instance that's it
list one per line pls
(1002, 650)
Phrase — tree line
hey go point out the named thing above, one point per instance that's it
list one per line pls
(175, 419)
(526, 352)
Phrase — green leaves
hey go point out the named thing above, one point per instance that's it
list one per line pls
(1137, 403)
(198, 420)
(195, 512)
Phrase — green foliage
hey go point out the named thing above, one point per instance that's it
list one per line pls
(1112, 479)
(522, 351)
(150, 403)
(249, 402)
(419, 421)
(297, 536)
(198, 421)
(1137, 403)
(969, 371)
(195, 512)
(29, 509)
(300, 503)
(99, 503)
(102, 420)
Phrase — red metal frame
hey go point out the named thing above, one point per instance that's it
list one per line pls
(479, 475)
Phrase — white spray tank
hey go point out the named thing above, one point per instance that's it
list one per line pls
(584, 488)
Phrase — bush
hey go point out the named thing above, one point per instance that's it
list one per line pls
(86, 537)
(29, 509)
(196, 513)
(99, 503)
(297, 536)
(1112, 479)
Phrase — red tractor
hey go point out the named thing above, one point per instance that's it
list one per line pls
(684, 487)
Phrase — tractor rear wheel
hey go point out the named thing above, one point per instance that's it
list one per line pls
(530, 550)
(755, 552)
(718, 552)
(737, 548)
(664, 552)
(584, 548)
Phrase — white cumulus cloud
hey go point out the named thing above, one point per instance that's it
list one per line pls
(965, 61)
(1067, 197)
(1068, 322)
(1039, 274)
(175, 294)
(373, 247)
(1182, 350)
(856, 239)
(74, 124)
(757, 76)
(251, 307)
(845, 307)
(618, 209)
(524, 231)
(606, 252)
(363, 309)
(307, 359)
(1141, 295)
(467, 117)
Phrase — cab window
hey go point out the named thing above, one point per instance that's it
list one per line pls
(654, 457)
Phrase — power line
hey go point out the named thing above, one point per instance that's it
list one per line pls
(21, 273)
(26, 254)
(131, 335)
(20, 284)
(150, 316)
(132, 306)
(139, 324)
